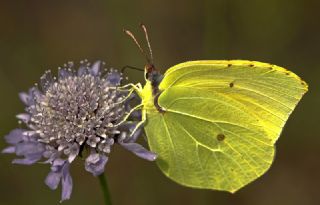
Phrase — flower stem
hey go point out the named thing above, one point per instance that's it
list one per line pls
(104, 188)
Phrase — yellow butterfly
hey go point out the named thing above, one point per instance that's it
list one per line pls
(214, 123)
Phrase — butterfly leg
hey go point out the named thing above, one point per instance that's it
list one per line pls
(136, 87)
(143, 120)
(125, 98)
(128, 114)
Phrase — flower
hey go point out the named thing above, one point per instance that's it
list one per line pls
(79, 112)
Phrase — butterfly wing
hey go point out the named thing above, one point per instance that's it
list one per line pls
(221, 122)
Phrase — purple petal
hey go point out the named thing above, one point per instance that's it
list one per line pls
(29, 133)
(95, 163)
(46, 80)
(33, 94)
(114, 78)
(57, 165)
(60, 173)
(53, 180)
(29, 148)
(51, 154)
(28, 160)
(129, 127)
(64, 73)
(24, 97)
(9, 150)
(15, 136)
(74, 151)
(83, 70)
(24, 117)
(95, 68)
(134, 137)
(136, 114)
(66, 183)
(140, 151)
(93, 158)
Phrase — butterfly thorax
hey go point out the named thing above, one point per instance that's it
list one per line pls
(151, 89)
(154, 76)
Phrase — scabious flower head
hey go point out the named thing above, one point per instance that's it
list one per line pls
(79, 111)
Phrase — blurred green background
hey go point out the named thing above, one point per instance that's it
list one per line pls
(40, 35)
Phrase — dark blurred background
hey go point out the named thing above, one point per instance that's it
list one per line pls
(40, 35)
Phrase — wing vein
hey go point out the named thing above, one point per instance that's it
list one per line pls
(214, 122)
(173, 148)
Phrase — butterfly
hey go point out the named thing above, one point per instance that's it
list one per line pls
(214, 123)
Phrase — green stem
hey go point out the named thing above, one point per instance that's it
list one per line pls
(105, 190)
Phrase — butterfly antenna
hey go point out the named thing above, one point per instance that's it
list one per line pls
(148, 41)
(137, 43)
(130, 67)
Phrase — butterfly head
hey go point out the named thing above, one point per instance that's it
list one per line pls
(153, 75)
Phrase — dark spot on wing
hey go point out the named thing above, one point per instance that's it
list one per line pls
(231, 85)
(221, 137)
(271, 67)
(229, 65)
(287, 73)
(251, 65)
